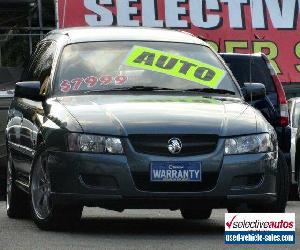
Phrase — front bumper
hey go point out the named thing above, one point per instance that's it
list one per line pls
(111, 180)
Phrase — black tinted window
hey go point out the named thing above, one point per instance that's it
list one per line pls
(241, 67)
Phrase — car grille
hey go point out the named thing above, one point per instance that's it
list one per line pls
(158, 144)
(143, 183)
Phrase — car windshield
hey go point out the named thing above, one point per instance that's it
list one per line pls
(133, 65)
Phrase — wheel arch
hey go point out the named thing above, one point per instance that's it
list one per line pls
(40, 147)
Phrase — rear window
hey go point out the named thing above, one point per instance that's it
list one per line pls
(241, 67)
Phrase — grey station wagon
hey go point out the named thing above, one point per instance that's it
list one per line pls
(124, 118)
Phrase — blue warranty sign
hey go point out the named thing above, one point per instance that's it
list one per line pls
(175, 172)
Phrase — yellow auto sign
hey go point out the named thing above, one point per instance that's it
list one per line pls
(174, 65)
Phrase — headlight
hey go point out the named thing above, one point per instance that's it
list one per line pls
(249, 144)
(94, 144)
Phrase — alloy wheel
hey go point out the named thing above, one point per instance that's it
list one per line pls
(40, 189)
(9, 183)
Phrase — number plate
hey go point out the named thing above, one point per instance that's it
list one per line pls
(175, 172)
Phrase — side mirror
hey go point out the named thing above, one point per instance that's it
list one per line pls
(29, 90)
(254, 91)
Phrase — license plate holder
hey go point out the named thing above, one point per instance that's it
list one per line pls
(162, 171)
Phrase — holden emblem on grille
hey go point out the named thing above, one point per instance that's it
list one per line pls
(174, 146)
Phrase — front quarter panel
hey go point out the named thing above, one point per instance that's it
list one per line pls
(60, 116)
(263, 126)
(56, 124)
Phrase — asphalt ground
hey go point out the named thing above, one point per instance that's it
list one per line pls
(132, 229)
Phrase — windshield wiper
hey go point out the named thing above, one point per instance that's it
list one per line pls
(133, 88)
(141, 88)
(210, 90)
(155, 88)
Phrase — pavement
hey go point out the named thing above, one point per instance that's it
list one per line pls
(132, 229)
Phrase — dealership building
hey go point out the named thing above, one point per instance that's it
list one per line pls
(24, 22)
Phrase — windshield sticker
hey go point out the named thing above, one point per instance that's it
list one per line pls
(105, 80)
(120, 80)
(76, 83)
(175, 65)
(91, 82)
(65, 86)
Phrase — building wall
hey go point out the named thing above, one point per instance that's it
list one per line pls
(22, 24)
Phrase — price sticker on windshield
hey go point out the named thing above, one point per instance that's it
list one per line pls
(175, 65)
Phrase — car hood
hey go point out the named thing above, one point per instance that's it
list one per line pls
(123, 115)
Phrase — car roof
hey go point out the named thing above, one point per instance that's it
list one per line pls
(295, 99)
(240, 55)
(89, 34)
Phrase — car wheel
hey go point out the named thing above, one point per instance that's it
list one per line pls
(282, 189)
(298, 184)
(16, 199)
(46, 214)
(294, 192)
(297, 188)
(196, 214)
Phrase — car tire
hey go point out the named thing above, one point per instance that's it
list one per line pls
(294, 192)
(16, 199)
(298, 184)
(46, 214)
(196, 214)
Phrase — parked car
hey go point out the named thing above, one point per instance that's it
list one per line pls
(5, 100)
(294, 110)
(137, 118)
(274, 106)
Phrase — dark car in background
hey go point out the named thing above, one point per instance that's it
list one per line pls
(275, 106)
(125, 118)
(8, 77)
(6, 97)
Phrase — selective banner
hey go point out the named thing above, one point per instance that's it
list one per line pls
(242, 26)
